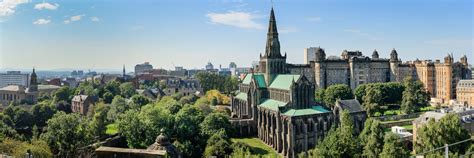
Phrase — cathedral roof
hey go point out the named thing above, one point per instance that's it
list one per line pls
(272, 104)
(259, 78)
(284, 81)
(241, 96)
(301, 112)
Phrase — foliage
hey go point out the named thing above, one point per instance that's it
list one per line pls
(187, 128)
(170, 104)
(108, 97)
(447, 130)
(42, 113)
(138, 101)
(187, 99)
(65, 133)
(371, 100)
(391, 92)
(127, 90)
(334, 92)
(63, 94)
(393, 147)
(371, 138)
(20, 118)
(214, 123)
(222, 83)
(112, 87)
(99, 120)
(214, 96)
(119, 106)
(339, 141)
(218, 145)
(319, 95)
(414, 96)
(15, 148)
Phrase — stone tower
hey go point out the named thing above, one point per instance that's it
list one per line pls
(123, 71)
(319, 68)
(393, 65)
(33, 82)
(272, 62)
(464, 60)
(375, 54)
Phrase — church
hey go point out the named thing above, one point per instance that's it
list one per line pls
(276, 103)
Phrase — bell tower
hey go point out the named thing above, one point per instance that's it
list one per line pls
(272, 62)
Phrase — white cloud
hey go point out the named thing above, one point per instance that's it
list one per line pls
(45, 5)
(7, 7)
(41, 22)
(236, 19)
(363, 34)
(74, 18)
(314, 19)
(95, 19)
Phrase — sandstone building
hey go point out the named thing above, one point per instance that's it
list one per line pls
(465, 92)
(276, 103)
(20, 93)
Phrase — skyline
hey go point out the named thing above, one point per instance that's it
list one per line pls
(48, 34)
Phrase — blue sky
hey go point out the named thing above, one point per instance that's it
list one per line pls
(92, 34)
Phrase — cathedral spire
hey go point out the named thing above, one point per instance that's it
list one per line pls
(272, 49)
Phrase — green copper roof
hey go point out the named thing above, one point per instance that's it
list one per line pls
(283, 81)
(302, 112)
(272, 104)
(258, 77)
(241, 96)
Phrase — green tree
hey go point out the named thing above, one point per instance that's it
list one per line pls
(447, 130)
(42, 113)
(127, 90)
(170, 104)
(320, 95)
(15, 148)
(372, 138)
(119, 106)
(99, 120)
(133, 126)
(334, 92)
(113, 87)
(360, 92)
(187, 128)
(393, 147)
(63, 94)
(218, 145)
(65, 133)
(108, 97)
(138, 101)
(214, 101)
(215, 122)
(372, 99)
(339, 142)
(414, 96)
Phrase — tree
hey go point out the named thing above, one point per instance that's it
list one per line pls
(108, 97)
(215, 122)
(65, 133)
(209, 81)
(187, 128)
(372, 138)
(218, 145)
(170, 104)
(42, 113)
(339, 141)
(99, 120)
(113, 87)
(360, 92)
(414, 96)
(393, 147)
(372, 99)
(214, 101)
(319, 95)
(127, 90)
(17, 148)
(119, 106)
(138, 101)
(187, 99)
(334, 92)
(63, 94)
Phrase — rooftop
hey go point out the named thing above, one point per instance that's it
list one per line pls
(284, 81)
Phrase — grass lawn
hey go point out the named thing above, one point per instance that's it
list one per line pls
(258, 147)
(111, 129)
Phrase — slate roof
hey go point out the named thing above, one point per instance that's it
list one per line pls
(284, 81)
(352, 105)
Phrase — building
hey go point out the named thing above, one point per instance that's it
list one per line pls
(186, 87)
(465, 92)
(402, 133)
(14, 78)
(309, 54)
(82, 104)
(465, 113)
(142, 68)
(276, 103)
(20, 93)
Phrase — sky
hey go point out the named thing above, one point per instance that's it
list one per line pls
(106, 34)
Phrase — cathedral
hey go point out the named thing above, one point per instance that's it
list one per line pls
(276, 103)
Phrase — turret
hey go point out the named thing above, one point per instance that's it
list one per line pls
(464, 60)
(320, 55)
(394, 56)
(375, 54)
(33, 82)
(448, 59)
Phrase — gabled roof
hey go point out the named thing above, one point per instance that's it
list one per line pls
(284, 81)
(301, 112)
(259, 78)
(80, 98)
(352, 105)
